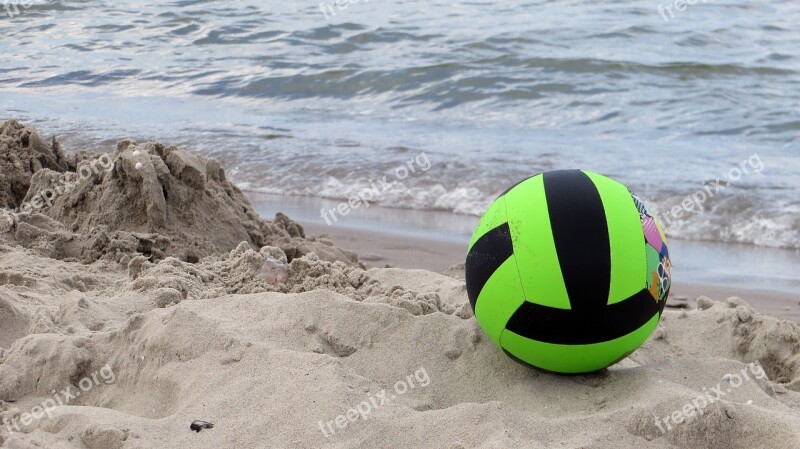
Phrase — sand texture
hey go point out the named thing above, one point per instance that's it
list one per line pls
(155, 280)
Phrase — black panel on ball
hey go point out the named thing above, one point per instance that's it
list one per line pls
(572, 327)
(485, 257)
(580, 233)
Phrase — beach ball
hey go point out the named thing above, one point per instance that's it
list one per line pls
(568, 271)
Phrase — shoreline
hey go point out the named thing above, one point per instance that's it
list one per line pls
(436, 241)
(378, 249)
(706, 262)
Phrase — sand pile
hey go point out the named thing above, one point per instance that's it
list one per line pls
(123, 320)
(244, 270)
(23, 153)
(148, 199)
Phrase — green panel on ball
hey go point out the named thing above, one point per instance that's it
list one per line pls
(534, 248)
(628, 259)
(492, 218)
(506, 297)
(575, 359)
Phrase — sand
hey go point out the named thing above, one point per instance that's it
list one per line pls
(158, 295)
(378, 249)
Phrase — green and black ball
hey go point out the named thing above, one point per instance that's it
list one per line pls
(568, 271)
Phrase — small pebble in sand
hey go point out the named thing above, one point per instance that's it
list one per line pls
(138, 166)
(678, 302)
(198, 426)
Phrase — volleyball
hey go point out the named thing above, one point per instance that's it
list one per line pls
(568, 271)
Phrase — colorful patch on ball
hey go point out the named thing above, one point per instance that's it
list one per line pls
(568, 271)
(659, 266)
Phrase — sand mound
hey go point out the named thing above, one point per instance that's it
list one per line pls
(148, 199)
(244, 270)
(23, 153)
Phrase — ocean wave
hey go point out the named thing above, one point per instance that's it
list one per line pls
(729, 218)
(296, 103)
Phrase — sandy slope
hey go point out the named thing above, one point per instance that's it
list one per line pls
(271, 344)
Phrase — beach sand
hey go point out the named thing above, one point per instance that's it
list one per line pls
(149, 294)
